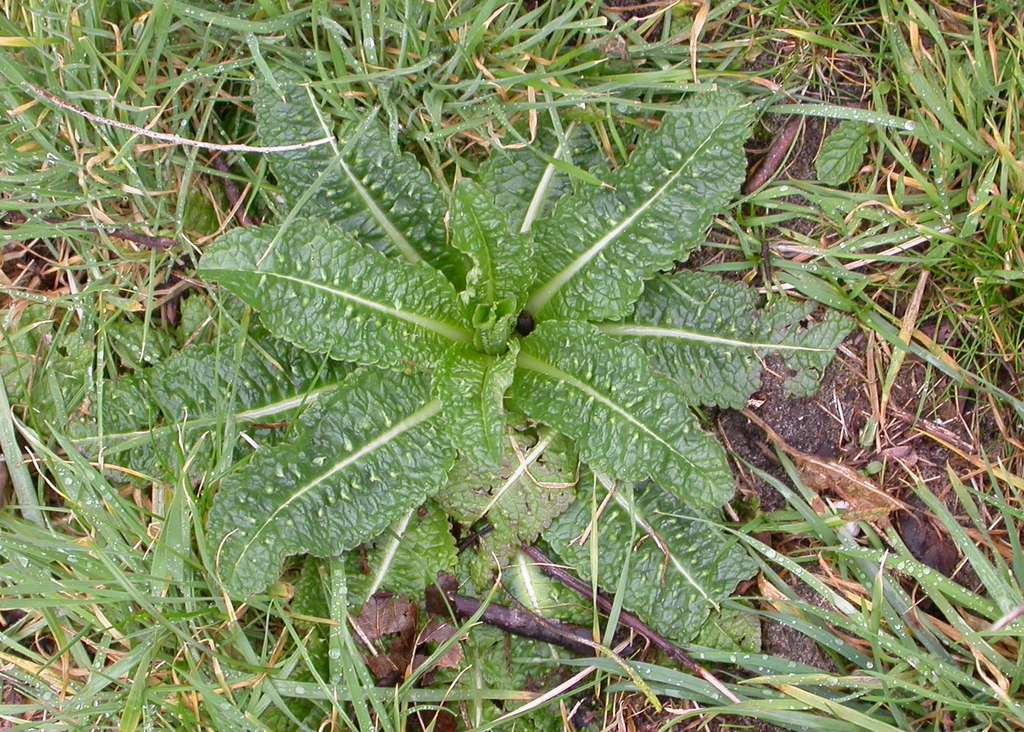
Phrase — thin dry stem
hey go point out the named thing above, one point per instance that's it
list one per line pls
(167, 137)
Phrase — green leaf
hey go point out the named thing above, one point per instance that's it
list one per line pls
(496, 660)
(136, 344)
(731, 630)
(698, 330)
(471, 387)
(523, 579)
(358, 462)
(627, 420)
(596, 249)
(811, 346)
(318, 288)
(46, 365)
(406, 559)
(501, 261)
(310, 596)
(679, 564)
(159, 411)
(23, 336)
(384, 198)
(842, 153)
(194, 315)
(526, 182)
(706, 334)
(535, 483)
(501, 269)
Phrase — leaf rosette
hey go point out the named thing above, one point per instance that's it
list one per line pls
(422, 291)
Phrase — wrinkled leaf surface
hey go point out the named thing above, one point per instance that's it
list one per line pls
(471, 387)
(598, 246)
(679, 565)
(627, 420)
(320, 289)
(383, 197)
(357, 463)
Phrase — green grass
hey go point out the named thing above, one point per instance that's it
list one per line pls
(122, 625)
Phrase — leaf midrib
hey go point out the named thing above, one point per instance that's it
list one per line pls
(421, 415)
(546, 369)
(483, 256)
(543, 295)
(441, 328)
(635, 513)
(134, 437)
(656, 331)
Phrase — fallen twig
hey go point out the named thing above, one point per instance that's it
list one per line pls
(629, 620)
(143, 240)
(517, 621)
(773, 158)
(232, 193)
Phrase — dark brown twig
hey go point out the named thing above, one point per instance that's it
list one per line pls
(773, 158)
(629, 620)
(143, 240)
(231, 191)
(146, 242)
(512, 620)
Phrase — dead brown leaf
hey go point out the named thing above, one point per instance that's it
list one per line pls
(438, 631)
(865, 498)
(384, 614)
